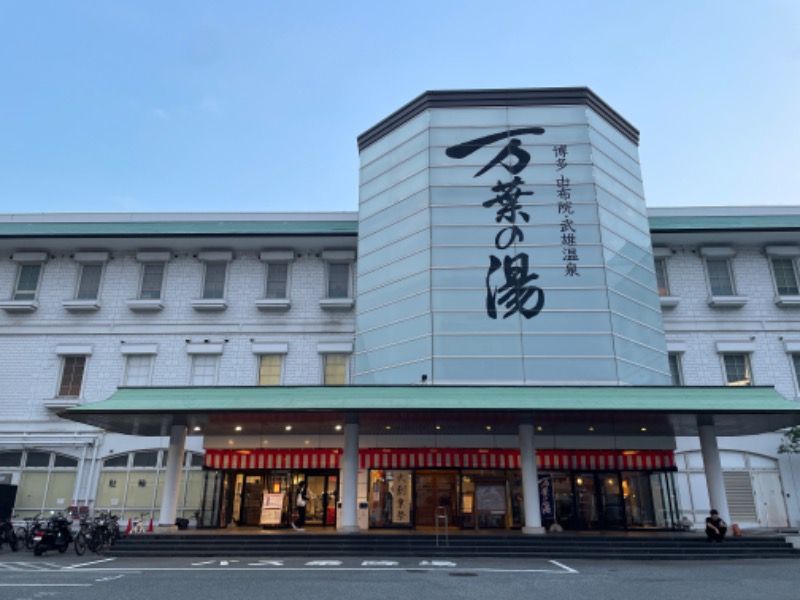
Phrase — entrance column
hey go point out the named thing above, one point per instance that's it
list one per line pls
(349, 522)
(172, 477)
(713, 469)
(530, 481)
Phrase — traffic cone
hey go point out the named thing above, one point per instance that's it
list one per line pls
(150, 527)
(129, 527)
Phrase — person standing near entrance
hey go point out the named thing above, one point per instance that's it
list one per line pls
(300, 502)
(716, 528)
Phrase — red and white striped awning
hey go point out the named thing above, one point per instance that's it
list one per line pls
(442, 458)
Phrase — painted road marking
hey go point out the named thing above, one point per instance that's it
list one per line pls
(324, 563)
(222, 563)
(437, 563)
(380, 563)
(45, 585)
(28, 566)
(267, 563)
(86, 564)
(563, 566)
(111, 577)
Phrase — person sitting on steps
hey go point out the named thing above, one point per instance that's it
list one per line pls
(716, 528)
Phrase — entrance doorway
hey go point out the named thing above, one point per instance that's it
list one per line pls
(435, 491)
(323, 491)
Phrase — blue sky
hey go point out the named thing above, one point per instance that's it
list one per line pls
(255, 105)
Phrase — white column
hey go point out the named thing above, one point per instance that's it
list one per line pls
(349, 522)
(172, 476)
(713, 469)
(530, 481)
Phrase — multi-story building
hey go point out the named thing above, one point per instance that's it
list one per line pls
(501, 315)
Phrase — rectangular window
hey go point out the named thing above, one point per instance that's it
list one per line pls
(269, 369)
(661, 277)
(785, 277)
(335, 369)
(737, 369)
(277, 280)
(204, 369)
(72, 376)
(338, 280)
(214, 282)
(89, 282)
(27, 282)
(675, 369)
(138, 369)
(796, 363)
(152, 281)
(719, 277)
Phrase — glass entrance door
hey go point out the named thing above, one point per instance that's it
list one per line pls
(252, 496)
(435, 492)
(321, 507)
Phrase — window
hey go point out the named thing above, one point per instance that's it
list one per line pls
(335, 369)
(204, 369)
(27, 282)
(737, 369)
(796, 363)
(138, 369)
(89, 282)
(675, 369)
(338, 280)
(785, 277)
(277, 280)
(214, 281)
(661, 277)
(71, 376)
(719, 277)
(269, 369)
(152, 281)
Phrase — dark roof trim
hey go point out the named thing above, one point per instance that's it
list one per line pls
(487, 98)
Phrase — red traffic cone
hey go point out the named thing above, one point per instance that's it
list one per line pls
(129, 527)
(150, 527)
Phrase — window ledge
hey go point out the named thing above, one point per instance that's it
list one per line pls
(336, 304)
(273, 304)
(727, 301)
(149, 305)
(209, 304)
(787, 301)
(60, 403)
(19, 306)
(669, 301)
(81, 305)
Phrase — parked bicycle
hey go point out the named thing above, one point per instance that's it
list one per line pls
(25, 532)
(97, 534)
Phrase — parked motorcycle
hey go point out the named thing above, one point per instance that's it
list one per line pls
(56, 534)
(8, 535)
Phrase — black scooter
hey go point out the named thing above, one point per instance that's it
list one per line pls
(57, 534)
(8, 535)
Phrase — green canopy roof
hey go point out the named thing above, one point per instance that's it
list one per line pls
(569, 409)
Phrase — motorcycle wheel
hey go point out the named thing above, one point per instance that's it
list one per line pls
(38, 549)
(63, 547)
(29, 540)
(80, 544)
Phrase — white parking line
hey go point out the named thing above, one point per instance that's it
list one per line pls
(45, 585)
(563, 566)
(94, 562)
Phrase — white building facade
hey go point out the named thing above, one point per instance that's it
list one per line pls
(206, 364)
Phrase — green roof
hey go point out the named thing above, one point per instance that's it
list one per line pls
(179, 228)
(665, 410)
(724, 222)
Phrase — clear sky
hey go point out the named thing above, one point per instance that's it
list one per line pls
(255, 105)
